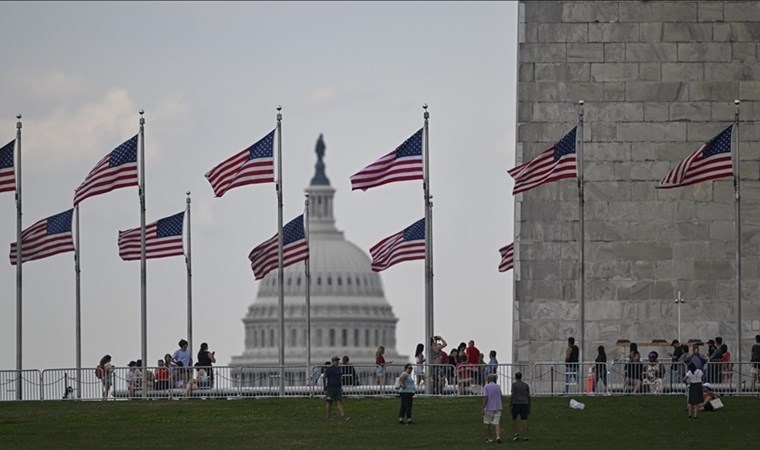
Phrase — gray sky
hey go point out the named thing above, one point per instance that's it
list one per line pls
(209, 77)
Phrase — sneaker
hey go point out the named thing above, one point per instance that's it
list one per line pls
(525, 438)
(515, 438)
(498, 440)
(488, 441)
(346, 418)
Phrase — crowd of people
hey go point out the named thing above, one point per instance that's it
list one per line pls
(175, 370)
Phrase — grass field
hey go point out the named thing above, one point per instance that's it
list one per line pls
(606, 423)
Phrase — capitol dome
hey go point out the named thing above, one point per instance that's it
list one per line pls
(349, 312)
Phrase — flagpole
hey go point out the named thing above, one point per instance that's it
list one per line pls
(429, 322)
(280, 256)
(582, 256)
(307, 267)
(19, 261)
(737, 219)
(78, 301)
(189, 266)
(143, 274)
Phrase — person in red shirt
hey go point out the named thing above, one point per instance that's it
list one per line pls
(473, 354)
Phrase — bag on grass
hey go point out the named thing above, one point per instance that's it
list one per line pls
(574, 404)
(716, 403)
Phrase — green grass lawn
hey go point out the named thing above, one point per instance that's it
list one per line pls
(607, 423)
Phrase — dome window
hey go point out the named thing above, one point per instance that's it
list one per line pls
(298, 281)
(332, 337)
(319, 281)
(340, 282)
(344, 337)
(329, 281)
(348, 281)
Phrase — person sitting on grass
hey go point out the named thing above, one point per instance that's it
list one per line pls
(709, 395)
(200, 380)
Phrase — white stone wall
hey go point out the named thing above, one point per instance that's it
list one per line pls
(659, 79)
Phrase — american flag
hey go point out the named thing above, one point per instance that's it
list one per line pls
(554, 163)
(45, 238)
(253, 165)
(507, 257)
(710, 161)
(116, 170)
(7, 175)
(162, 238)
(403, 164)
(406, 245)
(264, 257)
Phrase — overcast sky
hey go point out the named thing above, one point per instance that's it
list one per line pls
(209, 77)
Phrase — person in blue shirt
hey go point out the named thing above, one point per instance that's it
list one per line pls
(333, 389)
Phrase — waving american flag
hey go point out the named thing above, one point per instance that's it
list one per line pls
(402, 164)
(116, 170)
(253, 165)
(45, 238)
(264, 258)
(554, 163)
(710, 161)
(162, 238)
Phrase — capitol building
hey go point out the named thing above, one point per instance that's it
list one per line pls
(349, 312)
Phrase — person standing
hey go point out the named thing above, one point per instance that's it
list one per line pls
(694, 379)
(571, 362)
(519, 404)
(333, 389)
(419, 367)
(105, 369)
(380, 363)
(675, 374)
(755, 359)
(600, 368)
(491, 411)
(205, 359)
(182, 354)
(406, 392)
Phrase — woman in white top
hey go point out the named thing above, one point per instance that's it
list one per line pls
(694, 379)
(419, 368)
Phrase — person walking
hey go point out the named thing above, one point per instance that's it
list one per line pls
(104, 371)
(333, 389)
(491, 411)
(519, 405)
(406, 392)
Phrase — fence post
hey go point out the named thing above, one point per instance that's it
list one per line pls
(551, 377)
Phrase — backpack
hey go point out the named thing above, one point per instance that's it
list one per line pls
(100, 372)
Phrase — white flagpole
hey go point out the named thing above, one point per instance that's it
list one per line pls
(78, 301)
(429, 304)
(19, 261)
(307, 267)
(582, 256)
(143, 274)
(737, 209)
(280, 256)
(189, 265)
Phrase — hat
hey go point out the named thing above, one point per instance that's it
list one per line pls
(653, 355)
(707, 385)
(335, 358)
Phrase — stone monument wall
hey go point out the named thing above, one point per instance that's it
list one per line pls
(658, 80)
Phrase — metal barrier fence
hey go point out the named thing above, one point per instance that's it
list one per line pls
(544, 378)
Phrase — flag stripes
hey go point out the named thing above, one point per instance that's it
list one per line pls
(555, 163)
(264, 257)
(507, 257)
(406, 245)
(709, 162)
(163, 238)
(47, 237)
(253, 165)
(402, 164)
(116, 170)
(7, 174)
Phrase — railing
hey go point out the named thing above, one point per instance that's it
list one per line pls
(544, 378)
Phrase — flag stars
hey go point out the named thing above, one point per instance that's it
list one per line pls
(411, 146)
(60, 223)
(565, 146)
(719, 144)
(6, 155)
(125, 153)
(263, 148)
(416, 231)
(170, 226)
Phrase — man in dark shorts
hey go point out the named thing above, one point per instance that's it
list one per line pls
(333, 389)
(519, 404)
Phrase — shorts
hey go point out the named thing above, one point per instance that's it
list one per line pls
(492, 417)
(520, 410)
(380, 372)
(334, 394)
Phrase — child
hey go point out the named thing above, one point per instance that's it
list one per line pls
(492, 408)
(519, 404)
